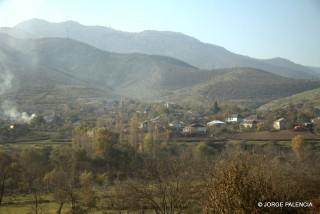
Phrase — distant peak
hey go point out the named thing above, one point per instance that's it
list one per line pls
(279, 59)
(70, 22)
(37, 21)
(33, 21)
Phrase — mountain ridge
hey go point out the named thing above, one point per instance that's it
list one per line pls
(167, 43)
(43, 65)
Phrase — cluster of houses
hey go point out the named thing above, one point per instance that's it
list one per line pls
(201, 129)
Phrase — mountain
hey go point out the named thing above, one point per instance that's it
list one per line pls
(311, 96)
(248, 86)
(171, 44)
(50, 62)
(56, 70)
(317, 69)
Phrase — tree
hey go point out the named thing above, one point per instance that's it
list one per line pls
(260, 126)
(57, 181)
(6, 168)
(134, 132)
(81, 139)
(62, 180)
(33, 164)
(202, 150)
(240, 180)
(215, 108)
(87, 194)
(165, 187)
(104, 142)
(148, 142)
(317, 125)
(37, 121)
(297, 143)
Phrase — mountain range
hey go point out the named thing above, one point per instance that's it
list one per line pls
(47, 64)
(165, 43)
(48, 68)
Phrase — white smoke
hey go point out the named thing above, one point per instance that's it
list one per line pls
(9, 108)
(10, 111)
(5, 82)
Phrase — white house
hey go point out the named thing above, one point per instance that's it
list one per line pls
(234, 118)
(195, 129)
(279, 124)
(215, 123)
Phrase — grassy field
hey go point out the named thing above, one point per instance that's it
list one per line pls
(23, 204)
(285, 135)
(34, 144)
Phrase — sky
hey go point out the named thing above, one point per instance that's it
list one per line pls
(257, 28)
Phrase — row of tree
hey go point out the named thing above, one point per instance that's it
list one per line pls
(100, 172)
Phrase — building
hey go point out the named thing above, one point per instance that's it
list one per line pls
(176, 125)
(234, 118)
(279, 124)
(195, 129)
(249, 124)
(215, 123)
(307, 126)
(144, 126)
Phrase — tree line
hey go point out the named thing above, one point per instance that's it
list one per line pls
(99, 172)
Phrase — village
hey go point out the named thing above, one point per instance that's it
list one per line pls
(167, 121)
(198, 125)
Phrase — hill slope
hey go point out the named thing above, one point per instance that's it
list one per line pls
(49, 66)
(46, 63)
(244, 85)
(311, 96)
(177, 45)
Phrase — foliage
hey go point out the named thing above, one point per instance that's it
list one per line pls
(297, 145)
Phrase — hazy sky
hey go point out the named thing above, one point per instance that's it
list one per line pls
(258, 28)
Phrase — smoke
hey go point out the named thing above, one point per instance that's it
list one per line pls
(9, 108)
(10, 111)
(5, 82)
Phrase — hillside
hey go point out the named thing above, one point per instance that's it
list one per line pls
(311, 96)
(244, 85)
(55, 70)
(171, 44)
(42, 65)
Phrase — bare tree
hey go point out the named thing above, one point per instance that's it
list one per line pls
(32, 164)
(6, 167)
(239, 181)
(62, 180)
(165, 187)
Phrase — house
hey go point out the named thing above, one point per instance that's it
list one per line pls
(176, 125)
(171, 105)
(144, 126)
(155, 119)
(279, 124)
(215, 123)
(307, 126)
(315, 120)
(194, 130)
(249, 123)
(234, 118)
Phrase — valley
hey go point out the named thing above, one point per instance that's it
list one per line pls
(96, 120)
